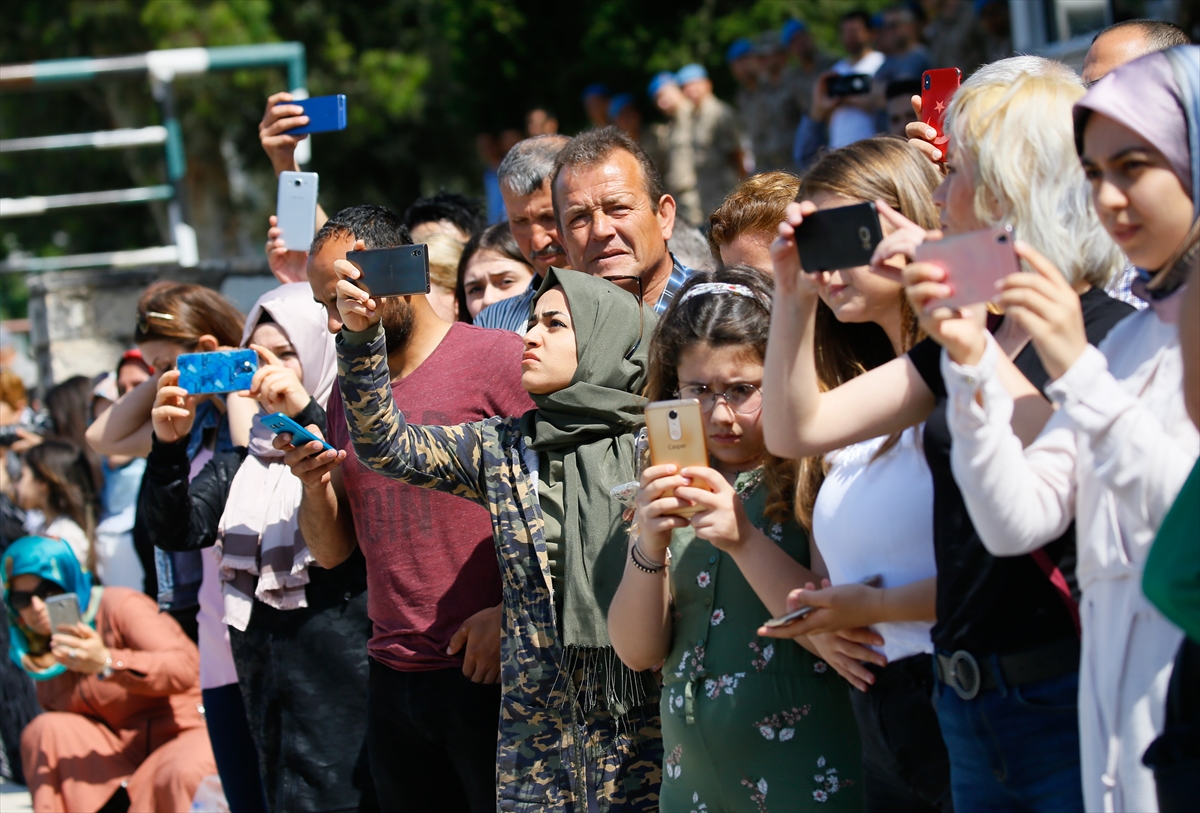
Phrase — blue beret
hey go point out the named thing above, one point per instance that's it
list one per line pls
(738, 49)
(660, 81)
(790, 29)
(690, 73)
(598, 89)
(619, 103)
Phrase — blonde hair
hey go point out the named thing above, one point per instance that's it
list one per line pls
(1020, 136)
(444, 252)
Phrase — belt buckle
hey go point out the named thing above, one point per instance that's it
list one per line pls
(967, 690)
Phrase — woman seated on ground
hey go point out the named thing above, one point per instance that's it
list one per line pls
(121, 689)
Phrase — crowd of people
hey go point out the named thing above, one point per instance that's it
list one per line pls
(473, 590)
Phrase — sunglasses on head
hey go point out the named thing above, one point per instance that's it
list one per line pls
(143, 320)
(20, 599)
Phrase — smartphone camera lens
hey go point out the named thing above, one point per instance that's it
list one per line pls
(296, 182)
(927, 83)
(1002, 238)
(673, 415)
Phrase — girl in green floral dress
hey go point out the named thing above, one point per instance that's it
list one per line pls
(748, 723)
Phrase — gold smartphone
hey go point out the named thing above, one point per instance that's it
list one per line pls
(676, 432)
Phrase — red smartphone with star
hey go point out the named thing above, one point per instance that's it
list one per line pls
(937, 88)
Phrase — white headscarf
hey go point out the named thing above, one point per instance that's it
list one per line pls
(259, 532)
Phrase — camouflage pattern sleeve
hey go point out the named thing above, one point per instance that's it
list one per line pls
(446, 458)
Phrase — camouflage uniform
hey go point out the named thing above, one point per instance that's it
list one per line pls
(780, 112)
(677, 163)
(716, 138)
(558, 744)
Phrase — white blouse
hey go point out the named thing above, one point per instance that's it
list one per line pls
(875, 517)
(1113, 457)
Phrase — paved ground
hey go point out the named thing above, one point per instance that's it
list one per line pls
(14, 798)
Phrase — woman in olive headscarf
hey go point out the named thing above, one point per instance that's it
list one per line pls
(578, 730)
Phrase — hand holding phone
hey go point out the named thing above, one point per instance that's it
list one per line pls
(974, 262)
(853, 84)
(937, 88)
(676, 432)
(325, 114)
(801, 612)
(844, 237)
(279, 424)
(399, 271)
(219, 371)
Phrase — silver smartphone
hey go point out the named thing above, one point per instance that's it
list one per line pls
(296, 209)
(63, 610)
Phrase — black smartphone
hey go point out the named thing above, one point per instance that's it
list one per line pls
(854, 84)
(399, 271)
(844, 237)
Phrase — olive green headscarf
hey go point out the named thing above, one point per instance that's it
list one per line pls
(590, 425)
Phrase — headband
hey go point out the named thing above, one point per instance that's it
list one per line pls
(706, 288)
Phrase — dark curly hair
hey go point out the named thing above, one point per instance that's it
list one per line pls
(721, 321)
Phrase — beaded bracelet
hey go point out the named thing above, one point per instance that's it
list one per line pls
(646, 565)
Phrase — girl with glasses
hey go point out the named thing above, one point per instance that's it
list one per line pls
(747, 722)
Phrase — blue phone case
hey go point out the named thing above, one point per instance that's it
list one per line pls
(222, 371)
(279, 423)
(325, 113)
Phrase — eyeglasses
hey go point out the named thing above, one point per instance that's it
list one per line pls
(633, 285)
(20, 599)
(143, 320)
(744, 399)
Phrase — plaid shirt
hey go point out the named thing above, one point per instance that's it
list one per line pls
(1120, 287)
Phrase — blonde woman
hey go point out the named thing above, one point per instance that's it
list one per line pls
(444, 254)
(1006, 640)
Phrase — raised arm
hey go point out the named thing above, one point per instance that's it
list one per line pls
(124, 428)
(798, 419)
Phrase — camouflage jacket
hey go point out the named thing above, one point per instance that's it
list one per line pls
(551, 755)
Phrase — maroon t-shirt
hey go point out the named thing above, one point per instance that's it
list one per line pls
(431, 562)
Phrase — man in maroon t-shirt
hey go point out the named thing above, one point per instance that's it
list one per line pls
(433, 582)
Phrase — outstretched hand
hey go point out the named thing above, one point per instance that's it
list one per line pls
(278, 118)
(359, 311)
(310, 462)
(286, 265)
(899, 246)
(962, 331)
(275, 386)
(921, 136)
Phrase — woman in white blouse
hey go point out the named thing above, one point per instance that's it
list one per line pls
(1117, 451)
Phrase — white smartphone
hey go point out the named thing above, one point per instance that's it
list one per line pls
(296, 209)
(63, 610)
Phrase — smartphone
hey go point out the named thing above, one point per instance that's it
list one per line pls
(854, 84)
(296, 209)
(399, 271)
(937, 87)
(279, 423)
(220, 371)
(796, 615)
(844, 237)
(676, 431)
(325, 114)
(63, 610)
(974, 262)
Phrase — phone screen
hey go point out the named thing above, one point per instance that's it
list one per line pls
(399, 271)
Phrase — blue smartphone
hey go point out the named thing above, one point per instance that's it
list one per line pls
(325, 113)
(279, 423)
(221, 371)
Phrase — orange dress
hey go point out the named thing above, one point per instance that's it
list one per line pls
(143, 726)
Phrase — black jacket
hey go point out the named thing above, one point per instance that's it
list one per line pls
(183, 516)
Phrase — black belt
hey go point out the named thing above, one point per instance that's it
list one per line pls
(968, 675)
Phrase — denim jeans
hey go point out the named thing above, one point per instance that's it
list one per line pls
(233, 749)
(1014, 748)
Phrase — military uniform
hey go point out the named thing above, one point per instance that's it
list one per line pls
(780, 110)
(676, 160)
(716, 138)
(560, 743)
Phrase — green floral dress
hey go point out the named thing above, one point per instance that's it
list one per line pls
(748, 723)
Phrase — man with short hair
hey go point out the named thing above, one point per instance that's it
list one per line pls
(595, 104)
(809, 61)
(524, 178)
(614, 217)
(540, 121)
(900, 42)
(447, 213)
(716, 139)
(433, 583)
(1125, 42)
(850, 118)
(674, 153)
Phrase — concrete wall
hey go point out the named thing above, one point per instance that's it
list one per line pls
(81, 321)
